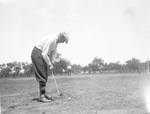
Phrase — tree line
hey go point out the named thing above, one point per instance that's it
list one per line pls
(98, 65)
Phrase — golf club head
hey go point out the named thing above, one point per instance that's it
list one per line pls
(60, 94)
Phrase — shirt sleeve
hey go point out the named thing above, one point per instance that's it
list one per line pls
(54, 54)
(46, 51)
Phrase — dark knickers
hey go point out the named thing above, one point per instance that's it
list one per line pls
(40, 66)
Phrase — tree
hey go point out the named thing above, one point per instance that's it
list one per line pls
(93, 68)
(5, 72)
(15, 67)
(85, 68)
(116, 66)
(10, 65)
(106, 67)
(60, 66)
(97, 64)
(133, 65)
(76, 68)
(28, 69)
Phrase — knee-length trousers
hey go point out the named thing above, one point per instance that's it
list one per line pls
(40, 66)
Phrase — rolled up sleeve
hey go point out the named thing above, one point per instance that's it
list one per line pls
(45, 53)
(54, 55)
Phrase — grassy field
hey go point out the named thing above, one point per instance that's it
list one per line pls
(90, 94)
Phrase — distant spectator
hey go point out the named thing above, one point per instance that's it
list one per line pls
(69, 70)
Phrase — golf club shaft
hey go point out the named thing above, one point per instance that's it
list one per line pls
(55, 83)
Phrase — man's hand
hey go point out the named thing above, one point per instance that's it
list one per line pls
(51, 67)
(57, 60)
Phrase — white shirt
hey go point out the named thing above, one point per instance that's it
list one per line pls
(68, 67)
(48, 46)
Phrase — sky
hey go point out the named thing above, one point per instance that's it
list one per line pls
(113, 30)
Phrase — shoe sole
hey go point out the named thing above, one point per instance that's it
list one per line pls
(44, 101)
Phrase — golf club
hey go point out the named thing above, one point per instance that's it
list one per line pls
(60, 94)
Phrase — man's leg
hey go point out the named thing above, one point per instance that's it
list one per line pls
(70, 72)
(40, 69)
(42, 88)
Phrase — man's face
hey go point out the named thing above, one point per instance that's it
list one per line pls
(61, 39)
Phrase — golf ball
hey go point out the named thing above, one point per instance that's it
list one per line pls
(69, 98)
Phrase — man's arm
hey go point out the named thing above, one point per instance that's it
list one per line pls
(45, 55)
(54, 55)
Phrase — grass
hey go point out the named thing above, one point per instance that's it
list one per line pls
(90, 94)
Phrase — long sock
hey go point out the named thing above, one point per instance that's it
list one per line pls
(42, 86)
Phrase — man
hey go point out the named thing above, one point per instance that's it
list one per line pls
(69, 70)
(43, 56)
